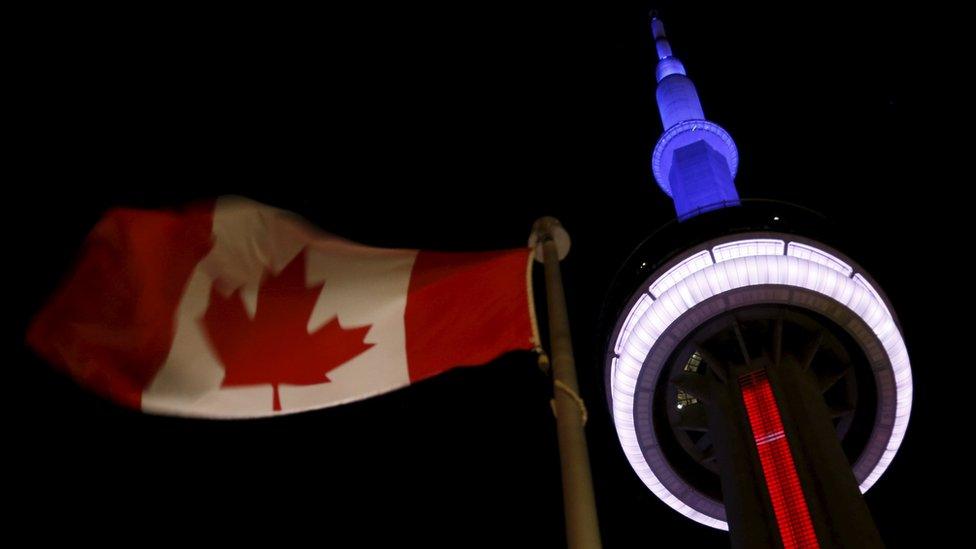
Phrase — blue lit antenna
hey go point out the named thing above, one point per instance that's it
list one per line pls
(695, 161)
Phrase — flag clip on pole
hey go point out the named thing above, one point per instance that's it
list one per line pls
(551, 244)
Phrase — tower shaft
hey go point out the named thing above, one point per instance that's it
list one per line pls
(785, 479)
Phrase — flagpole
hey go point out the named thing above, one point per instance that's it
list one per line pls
(579, 503)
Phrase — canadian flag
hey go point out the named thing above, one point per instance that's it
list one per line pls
(237, 309)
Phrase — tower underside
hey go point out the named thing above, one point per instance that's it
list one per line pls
(763, 396)
(758, 304)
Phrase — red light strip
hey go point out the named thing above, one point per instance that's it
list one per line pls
(789, 506)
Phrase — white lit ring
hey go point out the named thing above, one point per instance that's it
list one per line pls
(719, 267)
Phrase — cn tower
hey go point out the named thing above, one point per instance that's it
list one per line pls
(757, 375)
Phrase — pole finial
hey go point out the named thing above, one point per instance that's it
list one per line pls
(549, 228)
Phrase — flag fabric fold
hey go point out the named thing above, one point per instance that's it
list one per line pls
(237, 309)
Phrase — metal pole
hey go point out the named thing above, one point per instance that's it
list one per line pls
(579, 504)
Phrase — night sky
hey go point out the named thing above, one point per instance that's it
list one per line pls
(453, 128)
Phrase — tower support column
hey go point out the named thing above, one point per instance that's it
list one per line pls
(840, 514)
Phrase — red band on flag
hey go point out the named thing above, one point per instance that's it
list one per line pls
(111, 323)
(465, 309)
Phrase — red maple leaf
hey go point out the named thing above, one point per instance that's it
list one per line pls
(276, 346)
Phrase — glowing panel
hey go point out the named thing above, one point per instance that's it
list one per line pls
(639, 309)
(681, 271)
(867, 285)
(785, 493)
(697, 278)
(745, 248)
(816, 255)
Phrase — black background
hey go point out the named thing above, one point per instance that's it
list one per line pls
(454, 127)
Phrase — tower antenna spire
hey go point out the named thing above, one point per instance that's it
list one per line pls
(695, 161)
(660, 38)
